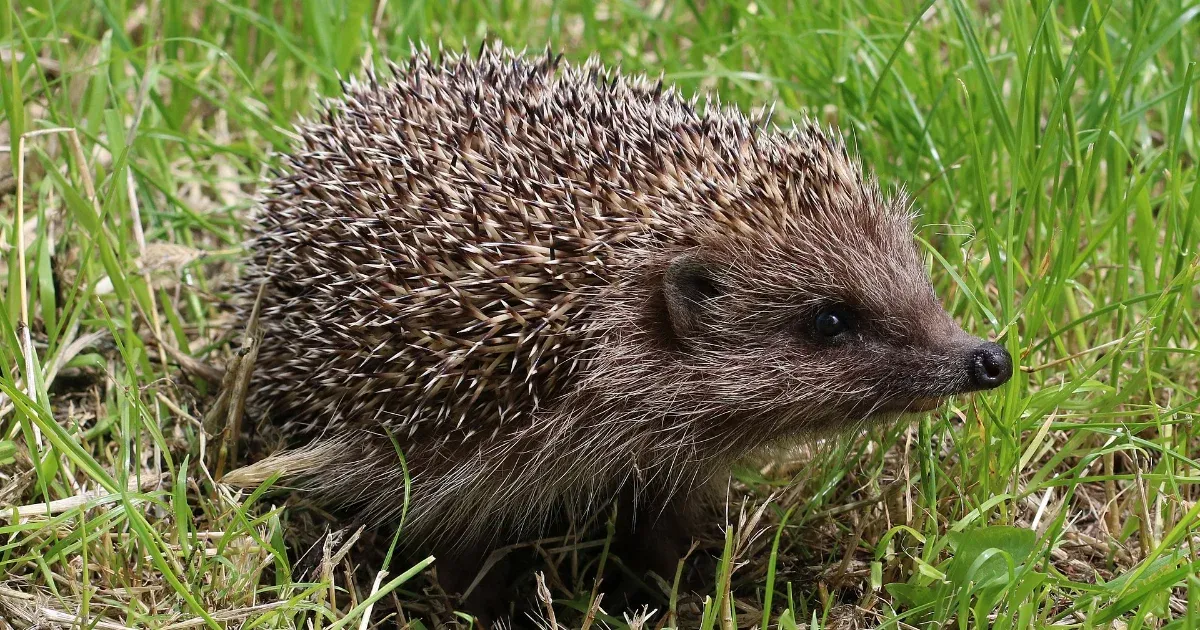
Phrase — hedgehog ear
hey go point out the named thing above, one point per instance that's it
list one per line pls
(687, 284)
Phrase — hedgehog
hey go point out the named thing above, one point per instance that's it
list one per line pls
(499, 290)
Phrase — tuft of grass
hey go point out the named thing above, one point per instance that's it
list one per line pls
(1050, 146)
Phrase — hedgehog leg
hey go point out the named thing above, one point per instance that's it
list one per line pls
(490, 598)
(652, 535)
(661, 539)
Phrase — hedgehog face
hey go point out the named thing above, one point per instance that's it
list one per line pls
(819, 332)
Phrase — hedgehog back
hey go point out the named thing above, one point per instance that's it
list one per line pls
(438, 250)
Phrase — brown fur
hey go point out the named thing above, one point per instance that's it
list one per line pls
(551, 283)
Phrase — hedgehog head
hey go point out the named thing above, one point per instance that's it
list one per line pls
(827, 320)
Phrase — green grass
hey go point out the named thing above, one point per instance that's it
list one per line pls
(1051, 147)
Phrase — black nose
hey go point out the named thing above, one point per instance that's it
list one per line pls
(990, 366)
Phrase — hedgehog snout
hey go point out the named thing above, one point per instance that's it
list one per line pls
(989, 365)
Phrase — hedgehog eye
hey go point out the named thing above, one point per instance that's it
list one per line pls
(831, 323)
